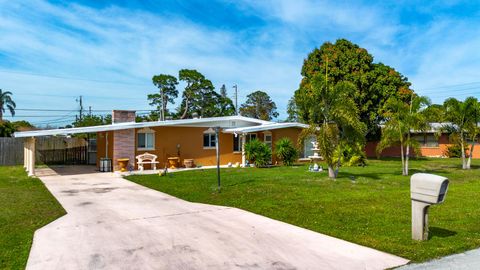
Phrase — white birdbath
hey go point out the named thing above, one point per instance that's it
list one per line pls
(315, 158)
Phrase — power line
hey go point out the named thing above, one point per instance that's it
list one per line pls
(69, 78)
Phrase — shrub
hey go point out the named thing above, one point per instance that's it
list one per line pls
(286, 151)
(258, 152)
(352, 155)
(454, 151)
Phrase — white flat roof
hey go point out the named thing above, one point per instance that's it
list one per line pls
(223, 122)
(265, 127)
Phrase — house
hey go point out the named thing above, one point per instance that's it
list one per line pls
(433, 143)
(195, 139)
(184, 138)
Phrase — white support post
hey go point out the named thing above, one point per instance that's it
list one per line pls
(244, 139)
(25, 154)
(31, 163)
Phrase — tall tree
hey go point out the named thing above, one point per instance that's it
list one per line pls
(259, 105)
(292, 111)
(167, 86)
(374, 83)
(401, 118)
(6, 102)
(196, 84)
(463, 117)
(333, 117)
(435, 113)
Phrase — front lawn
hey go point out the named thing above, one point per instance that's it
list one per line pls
(26, 205)
(369, 206)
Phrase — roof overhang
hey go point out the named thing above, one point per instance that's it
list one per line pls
(272, 126)
(223, 122)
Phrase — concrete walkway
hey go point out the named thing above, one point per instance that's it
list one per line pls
(469, 260)
(113, 223)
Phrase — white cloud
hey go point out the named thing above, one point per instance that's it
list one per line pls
(122, 45)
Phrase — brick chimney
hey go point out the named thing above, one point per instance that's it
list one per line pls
(123, 140)
(123, 116)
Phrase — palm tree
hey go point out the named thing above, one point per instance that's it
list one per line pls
(333, 118)
(401, 119)
(6, 101)
(463, 118)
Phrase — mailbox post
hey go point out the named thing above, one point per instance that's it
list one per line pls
(425, 190)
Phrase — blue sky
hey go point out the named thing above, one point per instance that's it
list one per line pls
(107, 51)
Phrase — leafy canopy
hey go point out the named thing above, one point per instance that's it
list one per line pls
(259, 105)
(6, 103)
(374, 82)
(167, 85)
(333, 116)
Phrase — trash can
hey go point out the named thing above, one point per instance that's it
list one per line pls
(105, 165)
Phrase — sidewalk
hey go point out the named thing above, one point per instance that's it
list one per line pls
(468, 260)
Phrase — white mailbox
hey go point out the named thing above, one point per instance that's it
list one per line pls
(425, 190)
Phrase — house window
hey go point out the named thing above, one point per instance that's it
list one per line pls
(145, 140)
(307, 146)
(237, 143)
(251, 136)
(209, 140)
(426, 140)
(267, 139)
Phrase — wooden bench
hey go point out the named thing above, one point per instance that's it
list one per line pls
(146, 158)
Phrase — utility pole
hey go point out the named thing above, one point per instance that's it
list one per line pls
(236, 98)
(90, 110)
(79, 100)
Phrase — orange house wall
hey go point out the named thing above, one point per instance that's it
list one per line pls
(190, 140)
(394, 151)
(291, 133)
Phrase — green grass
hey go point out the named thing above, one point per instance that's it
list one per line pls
(374, 210)
(25, 205)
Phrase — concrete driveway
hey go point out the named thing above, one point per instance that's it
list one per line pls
(113, 223)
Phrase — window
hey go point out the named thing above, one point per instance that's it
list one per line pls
(426, 140)
(237, 145)
(307, 146)
(267, 139)
(251, 136)
(208, 140)
(146, 140)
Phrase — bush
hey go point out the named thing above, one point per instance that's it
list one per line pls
(258, 152)
(352, 155)
(286, 151)
(454, 151)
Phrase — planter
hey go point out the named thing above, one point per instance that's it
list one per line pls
(189, 163)
(173, 162)
(122, 164)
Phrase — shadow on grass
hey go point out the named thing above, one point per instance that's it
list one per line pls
(375, 176)
(240, 183)
(439, 232)
(427, 170)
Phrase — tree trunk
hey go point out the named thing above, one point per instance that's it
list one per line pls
(464, 162)
(407, 156)
(186, 109)
(469, 162)
(403, 157)
(331, 172)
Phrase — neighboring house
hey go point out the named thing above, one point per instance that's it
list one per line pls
(432, 144)
(185, 138)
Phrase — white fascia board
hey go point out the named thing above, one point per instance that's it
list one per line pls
(224, 122)
(264, 128)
